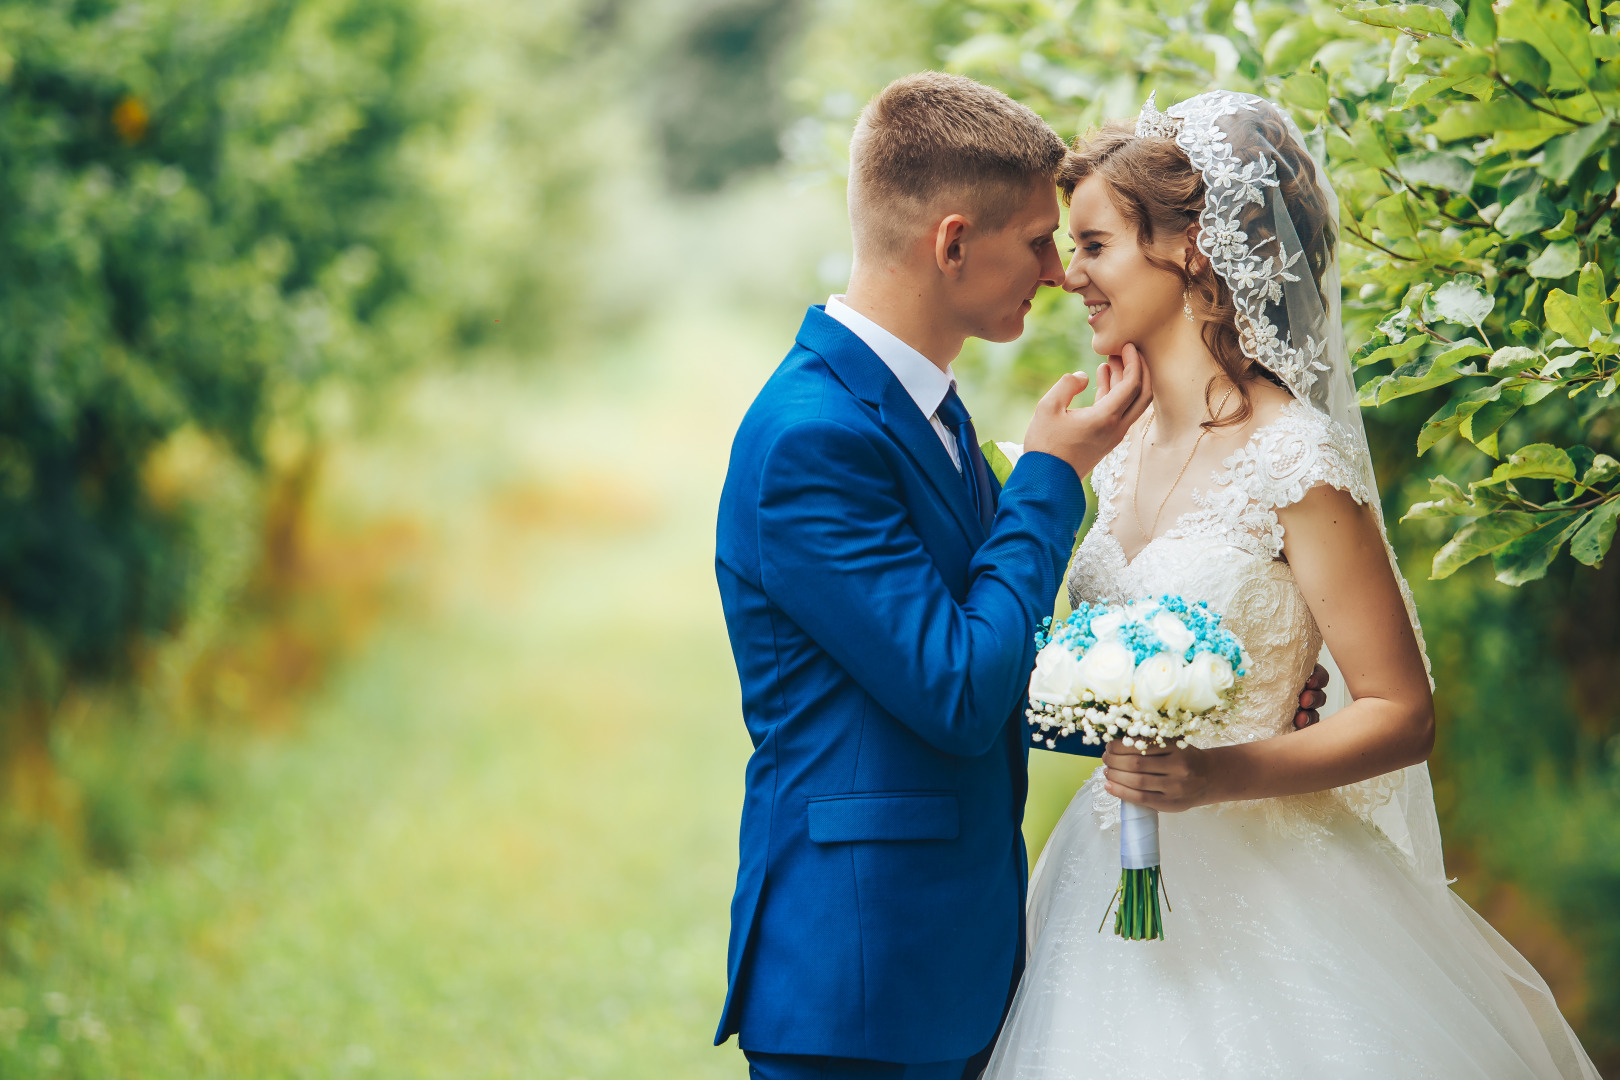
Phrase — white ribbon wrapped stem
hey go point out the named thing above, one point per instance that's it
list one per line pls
(1138, 836)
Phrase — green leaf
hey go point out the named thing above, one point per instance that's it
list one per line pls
(1563, 230)
(1538, 461)
(1482, 419)
(1512, 359)
(1553, 29)
(1444, 421)
(1449, 500)
(1391, 216)
(1556, 261)
(1391, 352)
(1570, 316)
(1603, 469)
(1564, 154)
(1592, 542)
(1437, 169)
(1590, 290)
(1527, 557)
(1415, 89)
(1480, 26)
(1472, 119)
(1305, 91)
(1370, 145)
(999, 463)
(1481, 537)
(1421, 17)
(1461, 300)
(1458, 351)
(1528, 213)
(1521, 63)
(1423, 374)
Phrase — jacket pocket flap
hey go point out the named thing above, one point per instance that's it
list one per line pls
(884, 816)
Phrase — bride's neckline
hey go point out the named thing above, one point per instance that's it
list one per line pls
(1215, 477)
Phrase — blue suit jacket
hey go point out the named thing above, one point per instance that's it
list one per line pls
(884, 645)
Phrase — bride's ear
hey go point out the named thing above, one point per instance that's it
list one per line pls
(1191, 257)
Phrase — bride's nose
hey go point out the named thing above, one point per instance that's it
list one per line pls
(1075, 278)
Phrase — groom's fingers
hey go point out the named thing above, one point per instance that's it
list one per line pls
(1064, 391)
(1107, 374)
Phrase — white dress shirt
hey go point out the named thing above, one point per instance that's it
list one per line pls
(920, 377)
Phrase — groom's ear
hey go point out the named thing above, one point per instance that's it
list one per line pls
(950, 244)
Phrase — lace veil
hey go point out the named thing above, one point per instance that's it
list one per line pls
(1250, 152)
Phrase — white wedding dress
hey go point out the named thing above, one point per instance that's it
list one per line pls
(1307, 937)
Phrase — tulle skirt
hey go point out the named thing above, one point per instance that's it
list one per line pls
(1310, 949)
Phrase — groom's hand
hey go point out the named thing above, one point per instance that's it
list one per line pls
(1083, 436)
(1311, 698)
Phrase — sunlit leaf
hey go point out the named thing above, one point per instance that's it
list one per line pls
(1540, 461)
(1512, 359)
(1556, 261)
(1478, 538)
(1305, 91)
(1441, 170)
(1449, 500)
(1461, 300)
(1430, 20)
(1000, 465)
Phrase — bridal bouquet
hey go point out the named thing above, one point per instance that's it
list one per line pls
(1146, 673)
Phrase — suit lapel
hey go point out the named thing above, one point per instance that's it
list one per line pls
(870, 379)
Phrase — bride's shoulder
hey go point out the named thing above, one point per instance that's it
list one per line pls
(1293, 448)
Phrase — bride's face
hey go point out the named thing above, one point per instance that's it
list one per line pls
(1130, 300)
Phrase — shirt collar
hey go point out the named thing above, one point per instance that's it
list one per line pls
(922, 380)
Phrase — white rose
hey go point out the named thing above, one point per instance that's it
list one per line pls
(1157, 681)
(1205, 681)
(1172, 631)
(1057, 676)
(1107, 625)
(1107, 670)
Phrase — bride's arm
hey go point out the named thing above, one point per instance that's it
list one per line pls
(1337, 553)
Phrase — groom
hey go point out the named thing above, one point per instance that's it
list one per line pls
(882, 593)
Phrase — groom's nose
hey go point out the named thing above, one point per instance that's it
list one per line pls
(1051, 267)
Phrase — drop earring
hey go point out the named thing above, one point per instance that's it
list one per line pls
(1186, 303)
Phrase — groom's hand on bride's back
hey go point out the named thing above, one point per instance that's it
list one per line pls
(1083, 436)
(1311, 698)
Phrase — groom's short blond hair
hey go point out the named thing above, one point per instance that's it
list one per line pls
(931, 139)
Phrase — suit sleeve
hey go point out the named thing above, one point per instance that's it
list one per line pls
(838, 553)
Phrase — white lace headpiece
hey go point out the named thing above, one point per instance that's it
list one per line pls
(1281, 265)
(1249, 235)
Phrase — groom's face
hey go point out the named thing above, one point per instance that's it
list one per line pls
(1003, 270)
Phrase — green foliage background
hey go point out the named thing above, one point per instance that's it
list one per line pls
(240, 235)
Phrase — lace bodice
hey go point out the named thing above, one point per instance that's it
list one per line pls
(1227, 552)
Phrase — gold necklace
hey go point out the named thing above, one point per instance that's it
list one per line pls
(1136, 489)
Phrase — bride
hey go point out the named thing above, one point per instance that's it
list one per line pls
(1312, 930)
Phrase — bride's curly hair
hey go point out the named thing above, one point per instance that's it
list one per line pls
(1156, 188)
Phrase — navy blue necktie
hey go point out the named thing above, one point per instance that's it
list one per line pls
(975, 471)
